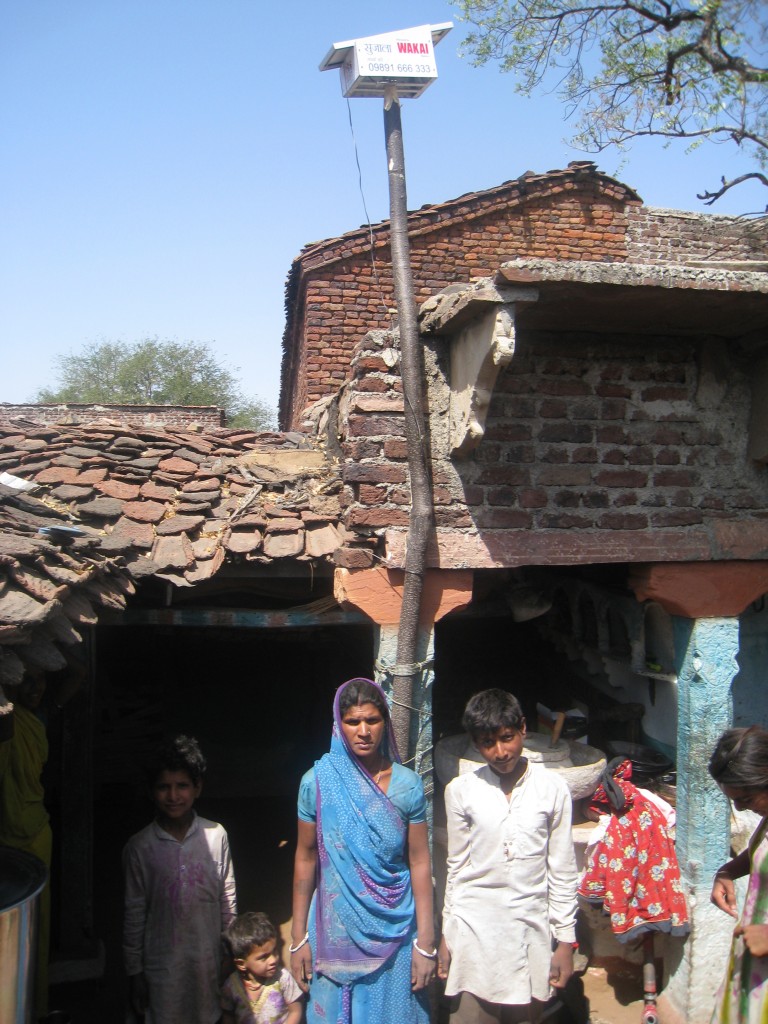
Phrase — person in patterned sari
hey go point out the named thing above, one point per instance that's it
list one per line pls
(739, 765)
(363, 925)
(633, 871)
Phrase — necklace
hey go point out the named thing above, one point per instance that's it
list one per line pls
(253, 991)
(380, 772)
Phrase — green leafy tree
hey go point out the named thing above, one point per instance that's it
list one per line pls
(154, 372)
(691, 70)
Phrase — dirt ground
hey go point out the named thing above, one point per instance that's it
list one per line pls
(613, 998)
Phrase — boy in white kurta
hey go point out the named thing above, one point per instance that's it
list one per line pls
(179, 897)
(511, 885)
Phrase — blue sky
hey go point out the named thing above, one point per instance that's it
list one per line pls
(162, 162)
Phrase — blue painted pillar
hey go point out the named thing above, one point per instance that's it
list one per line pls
(705, 651)
(419, 756)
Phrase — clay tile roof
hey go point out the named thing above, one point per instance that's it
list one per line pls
(86, 509)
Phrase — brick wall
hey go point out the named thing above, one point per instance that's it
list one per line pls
(589, 442)
(334, 297)
(665, 236)
(184, 417)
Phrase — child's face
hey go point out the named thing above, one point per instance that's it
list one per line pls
(262, 962)
(502, 749)
(174, 794)
(31, 691)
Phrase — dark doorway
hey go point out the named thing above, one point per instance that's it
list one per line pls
(260, 703)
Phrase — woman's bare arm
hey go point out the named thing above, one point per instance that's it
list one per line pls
(304, 882)
(723, 890)
(420, 864)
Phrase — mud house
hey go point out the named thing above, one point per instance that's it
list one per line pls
(595, 383)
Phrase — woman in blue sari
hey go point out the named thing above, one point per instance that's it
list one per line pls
(363, 924)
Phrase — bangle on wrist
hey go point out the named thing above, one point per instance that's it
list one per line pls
(297, 947)
(429, 956)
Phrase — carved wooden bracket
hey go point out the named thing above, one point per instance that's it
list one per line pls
(480, 322)
(479, 353)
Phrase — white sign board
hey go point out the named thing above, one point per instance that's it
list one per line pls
(405, 58)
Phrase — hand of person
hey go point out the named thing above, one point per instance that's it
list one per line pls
(422, 968)
(138, 994)
(755, 938)
(561, 965)
(301, 966)
(443, 960)
(724, 894)
(7, 720)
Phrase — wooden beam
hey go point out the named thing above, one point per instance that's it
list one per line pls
(237, 618)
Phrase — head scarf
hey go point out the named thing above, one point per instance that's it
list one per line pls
(364, 908)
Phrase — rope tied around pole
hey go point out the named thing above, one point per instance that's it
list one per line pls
(411, 669)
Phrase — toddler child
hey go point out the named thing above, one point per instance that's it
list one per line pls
(511, 884)
(179, 897)
(260, 991)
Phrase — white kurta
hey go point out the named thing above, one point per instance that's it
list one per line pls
(511, 883)
(179, 897)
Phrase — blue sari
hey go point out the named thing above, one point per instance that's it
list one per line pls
(363, 916)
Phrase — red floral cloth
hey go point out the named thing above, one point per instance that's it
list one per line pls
(633, 871)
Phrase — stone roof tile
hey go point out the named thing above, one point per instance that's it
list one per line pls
(210, 483)
(284, 545)
(144, 511)
(238, 488)
(177, 465)
(57, 475)
(152, 490)
(179, 524)
(173, 553)
(283, 524)
(128, 442)
(107, 508)
(69, 492)
(241, 542)
(90, 476)
(193, 507)
(139, 535)
(189, 456)
(250, 519)
(140, 566)
(205, 569)
(205, 547)
(119, 489)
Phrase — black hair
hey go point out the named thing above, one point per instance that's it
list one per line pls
(741, 758)
(490, 710)
(246, 932)
(362, 691)
(177, 754)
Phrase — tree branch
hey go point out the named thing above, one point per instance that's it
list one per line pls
(712, 197)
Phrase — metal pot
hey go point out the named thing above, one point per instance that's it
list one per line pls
(647, 763)
(22, 879)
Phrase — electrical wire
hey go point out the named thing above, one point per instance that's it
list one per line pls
(371, 247)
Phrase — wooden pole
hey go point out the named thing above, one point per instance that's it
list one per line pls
(412, 369)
